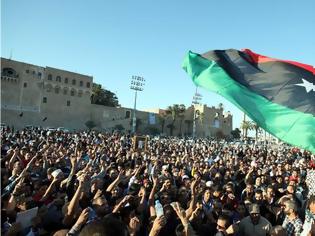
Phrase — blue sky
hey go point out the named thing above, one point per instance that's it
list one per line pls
(113, 40)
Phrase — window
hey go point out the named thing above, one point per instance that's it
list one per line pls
(72, 93)
(216, 123)
(39, 75)
(25, 85)
(27, 71)
(9, 72)
(57, 90)
(80, 93)
(33, 72)
(58, 78)
(66, 80)
(81, 83)
(48, 87)
(44, 99)
(65, 91)
(88, 85)
(68, 103)
(49, 77)
(73, 82)
(127, 114)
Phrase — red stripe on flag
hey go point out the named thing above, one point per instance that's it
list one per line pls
(257, 58)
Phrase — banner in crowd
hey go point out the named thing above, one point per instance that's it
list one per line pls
(278, 95)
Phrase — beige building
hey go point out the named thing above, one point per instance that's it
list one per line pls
(50, 97)
(209, 121)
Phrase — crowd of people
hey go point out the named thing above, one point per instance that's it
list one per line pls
(90, 183)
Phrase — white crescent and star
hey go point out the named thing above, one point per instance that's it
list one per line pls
(309, 87)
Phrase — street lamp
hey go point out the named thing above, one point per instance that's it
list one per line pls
(196, 100)
(136, 84)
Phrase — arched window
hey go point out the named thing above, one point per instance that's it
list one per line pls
(65, 90)
(57, 89)
(81, 83)
(127, 114)
(66, 80)
(49, 77)
(58, 78)
(9, 72)
(88, 85)
(72, 92)
(73, 82)
(48, 87)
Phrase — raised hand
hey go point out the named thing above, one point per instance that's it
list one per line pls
(158, 224)
(83, 218)
(180, 212)
(134, 225)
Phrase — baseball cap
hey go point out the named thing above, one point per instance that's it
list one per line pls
(254, 208)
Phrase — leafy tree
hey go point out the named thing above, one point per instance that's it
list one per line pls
(236, 133)
(90, 124)
(103, 97)
(175, 111)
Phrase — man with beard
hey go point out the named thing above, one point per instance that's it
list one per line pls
(309, 222)
(254, 224)
(292, 223)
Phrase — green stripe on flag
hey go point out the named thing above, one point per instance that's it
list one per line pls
(288, 125)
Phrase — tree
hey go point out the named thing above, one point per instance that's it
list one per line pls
(175, 111)
(171, 127)
(188, 123)
(181, 117)
(236, 133)
(162, 119)
(103, 97)
(119, 127)
(90, 124)
(245, 126)
(257, 129)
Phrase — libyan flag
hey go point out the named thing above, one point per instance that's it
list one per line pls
(278, 95)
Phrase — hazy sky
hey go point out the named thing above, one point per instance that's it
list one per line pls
(113, 40)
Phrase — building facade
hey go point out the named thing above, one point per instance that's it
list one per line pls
(50, 97)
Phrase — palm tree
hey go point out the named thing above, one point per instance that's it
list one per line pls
(257, 129)
(245, 126)
(162, 119)
(175, 111)
(188, 123)
(181, 117)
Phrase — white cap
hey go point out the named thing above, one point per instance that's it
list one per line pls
(209, 183)
(185, 177)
